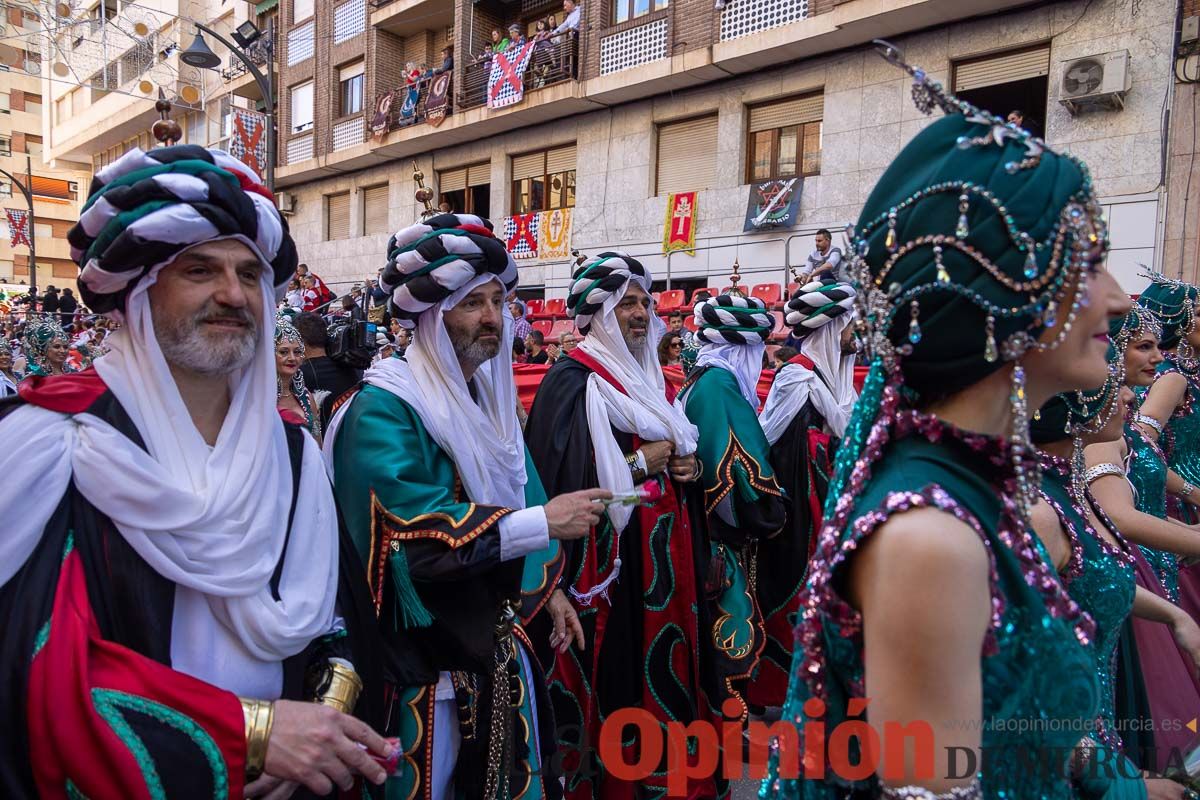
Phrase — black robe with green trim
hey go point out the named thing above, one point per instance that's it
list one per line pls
(438, 584)
(744, 509)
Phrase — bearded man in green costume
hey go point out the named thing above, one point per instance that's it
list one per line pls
(450, 517)
(743, 503)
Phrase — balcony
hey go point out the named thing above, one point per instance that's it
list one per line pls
(399, 116)
(408, 17)
(551, 63)
(237, 76)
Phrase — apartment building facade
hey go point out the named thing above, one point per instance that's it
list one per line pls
(661, 96)
(55, 185)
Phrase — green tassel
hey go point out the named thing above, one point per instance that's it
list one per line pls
(412, 611)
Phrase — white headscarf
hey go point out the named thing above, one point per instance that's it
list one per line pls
(794, 385)
(213, 520)
(482, 436)
(643, 410)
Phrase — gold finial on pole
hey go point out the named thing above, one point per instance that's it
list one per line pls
(734, 279)
(165, 130)
(423, 194)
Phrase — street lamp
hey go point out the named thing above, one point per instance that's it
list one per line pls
(26, 189)
(199, 54)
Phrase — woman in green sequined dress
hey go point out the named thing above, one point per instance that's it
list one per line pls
(1098, 566)
(977, 258)
(1170, 417)
(1158, 682)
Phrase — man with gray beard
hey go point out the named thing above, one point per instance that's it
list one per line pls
(171, 569)
(461, 544)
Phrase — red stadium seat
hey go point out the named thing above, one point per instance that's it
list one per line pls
(689, 322)
(768, 293)
(713, 291)
(560, 327)
(657, 296)
(780, 333)
(536, 308)
(792, 288)
(671, 300)
(543, 325)
(556, 308)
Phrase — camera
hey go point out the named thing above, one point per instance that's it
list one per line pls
(352, 343)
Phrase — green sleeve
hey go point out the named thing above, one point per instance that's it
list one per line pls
(740, 489)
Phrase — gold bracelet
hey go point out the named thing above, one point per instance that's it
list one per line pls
(343, 689)
(258, 716)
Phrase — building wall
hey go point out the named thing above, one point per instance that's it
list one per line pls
(868, 116)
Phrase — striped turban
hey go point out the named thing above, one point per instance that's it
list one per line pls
(816, 304)
(595, 281)
(732, 319)
(431, 260)
(149, 206)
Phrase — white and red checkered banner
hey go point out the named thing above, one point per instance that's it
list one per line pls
(18, 226)
(248, 143)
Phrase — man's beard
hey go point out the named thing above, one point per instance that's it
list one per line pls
(634, 341)
(470, 351)
(186, 345)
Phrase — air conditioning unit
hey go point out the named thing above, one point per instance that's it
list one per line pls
(287, 203)
(1095, 82)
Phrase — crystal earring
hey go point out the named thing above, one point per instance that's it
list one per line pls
(914, 326)
(1021, 445)
(890, 241)
(942, 275)
(278, 388)
(990, 353)
(962, 231)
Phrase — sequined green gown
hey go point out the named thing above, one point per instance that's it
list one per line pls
(1100, 577)
(1037, 659)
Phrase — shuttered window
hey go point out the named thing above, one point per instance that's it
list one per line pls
(479, 174)
(784, 138)
(466, 189)
(375, 209)
(54, 187)
(544, 180)
(1002, 68)
(302, 107)
(337, 216)
(687, 155)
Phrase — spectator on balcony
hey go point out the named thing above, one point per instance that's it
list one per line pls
(516, 36)
(447, 63)
(499, 41)
(573, 11)
(412, 74)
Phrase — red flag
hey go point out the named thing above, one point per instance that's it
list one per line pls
(679, 230)
(18, 226)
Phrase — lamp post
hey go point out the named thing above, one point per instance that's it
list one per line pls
(26, 189)
(198, 54)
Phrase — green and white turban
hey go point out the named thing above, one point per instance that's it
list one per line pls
(148, 206)
(816, 304)
(732, 319)
(597, 279)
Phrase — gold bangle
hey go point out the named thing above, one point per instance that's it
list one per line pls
(343, 689)
(259, 716)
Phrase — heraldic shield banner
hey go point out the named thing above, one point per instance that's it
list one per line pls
(773, 204)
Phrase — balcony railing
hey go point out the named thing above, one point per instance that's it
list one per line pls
(395, 118)
(259, 52)
(552, 62)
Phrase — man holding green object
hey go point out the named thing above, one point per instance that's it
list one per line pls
(447, 512)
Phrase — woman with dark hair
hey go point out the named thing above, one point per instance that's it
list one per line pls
(982, 293)
(296, 403)
(670, 350)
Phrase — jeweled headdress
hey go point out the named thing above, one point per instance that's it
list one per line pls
(285, 331)
(1173, 303)
(39, 333)
(982, 231)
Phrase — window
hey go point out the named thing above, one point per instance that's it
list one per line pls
(375, 210)
(55, 188)
(468, 190)
(5, 146)
(687, 155)
(785, 138)
(544, 180)
(631, 9)
(4, 102)
(1016, 80)
(32, 99)
(337, 216)
(195, 129)
(5, 187)
(62, 108)
(301, 10)
(302, 107)
(33, 145)
(350, 89)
